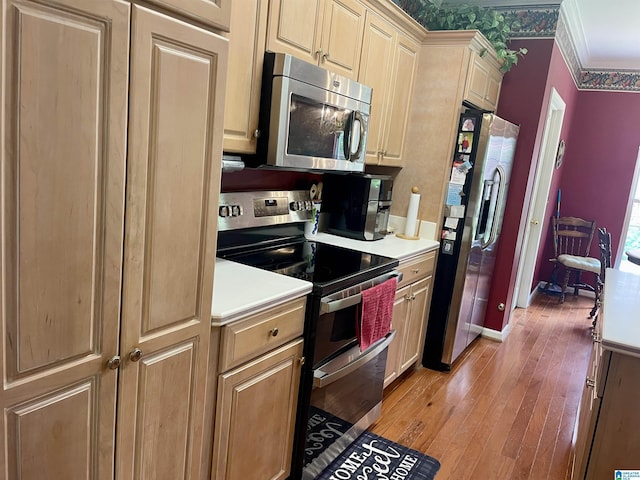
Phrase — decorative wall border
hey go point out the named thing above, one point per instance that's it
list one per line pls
(611, 80)
(547, 21)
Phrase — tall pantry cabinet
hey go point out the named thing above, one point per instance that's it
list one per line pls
(111, 143)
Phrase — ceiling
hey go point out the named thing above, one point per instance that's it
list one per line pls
(605, 33)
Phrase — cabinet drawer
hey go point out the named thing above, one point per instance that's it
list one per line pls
(245, 339)
(417, 268)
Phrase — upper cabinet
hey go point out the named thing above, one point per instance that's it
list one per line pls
(325, 32)
(244, 75)
(454, 67)
(216, 13)
(483, 82)
(388, 65)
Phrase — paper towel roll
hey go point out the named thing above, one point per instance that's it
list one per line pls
(412, 215)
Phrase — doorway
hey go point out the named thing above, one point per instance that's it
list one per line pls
(542, 183)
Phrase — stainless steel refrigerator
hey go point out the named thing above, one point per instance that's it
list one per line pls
(473, 213)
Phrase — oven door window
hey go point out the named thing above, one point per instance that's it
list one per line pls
(316, 129)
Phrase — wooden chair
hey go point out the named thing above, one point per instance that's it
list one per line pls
(604, 242)
(572, 238)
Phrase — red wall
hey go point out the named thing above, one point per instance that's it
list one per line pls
(598, 166)
(521, 101)
(601, 133)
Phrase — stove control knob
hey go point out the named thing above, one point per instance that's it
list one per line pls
(235, 210)
(294, 206)
(308, 205)
(223, 211)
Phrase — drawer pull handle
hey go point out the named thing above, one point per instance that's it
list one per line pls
(415, 270)
(274, 331)
(302, 360)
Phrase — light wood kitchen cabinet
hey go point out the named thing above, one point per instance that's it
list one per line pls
(260, 365)
(216, 13)
(607, 437)
(96, 311)
(483, 83)
(388, 65)
(325, 32)
(449, 70)
(175, 143)
(410, 314)
(244, 76)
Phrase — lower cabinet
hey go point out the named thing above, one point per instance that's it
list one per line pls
(410, 315)
(607, 436)
(259, 376)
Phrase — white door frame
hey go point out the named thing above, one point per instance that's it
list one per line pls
(539, 198)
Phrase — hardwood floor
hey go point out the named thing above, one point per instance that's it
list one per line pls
(506, 410)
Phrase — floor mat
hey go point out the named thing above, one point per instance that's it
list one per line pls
(373, 457)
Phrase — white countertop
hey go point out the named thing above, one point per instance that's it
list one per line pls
(389, 246)
(240, 290)
(621, 312)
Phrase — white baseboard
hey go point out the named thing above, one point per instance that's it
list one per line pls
(492, 334)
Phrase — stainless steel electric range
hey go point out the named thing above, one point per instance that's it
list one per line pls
(341, 387)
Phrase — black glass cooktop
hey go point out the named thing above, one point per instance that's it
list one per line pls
(313, 261)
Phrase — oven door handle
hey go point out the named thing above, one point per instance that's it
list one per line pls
(328, 304)
(320, 379)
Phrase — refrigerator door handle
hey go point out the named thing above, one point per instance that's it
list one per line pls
(497, 205)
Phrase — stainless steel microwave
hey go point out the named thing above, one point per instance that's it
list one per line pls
(310, 118)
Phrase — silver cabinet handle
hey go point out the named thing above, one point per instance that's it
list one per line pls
(415, 270)
(591, 383)
(274, 331)
(318, 52)
(135, 355)
(256, 133)
(114, 362)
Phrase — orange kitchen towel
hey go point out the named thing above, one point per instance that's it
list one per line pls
(375, 313)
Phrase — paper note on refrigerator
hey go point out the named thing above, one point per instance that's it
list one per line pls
(453, 194)
(456, 211)
(458, 176)
(451, 222)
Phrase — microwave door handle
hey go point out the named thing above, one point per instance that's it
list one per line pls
(346, 143)
(355, 116)
(322, 380)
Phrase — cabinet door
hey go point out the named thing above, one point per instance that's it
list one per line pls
(244, 75)
(342, 32)
(295, 27)
(483, 83)
(62, 189)
(255, 417)
(212, 12)
(398, 323)
(177, 81)
(416, 322)
(401, 89)
(587, 414)
(375, 69)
